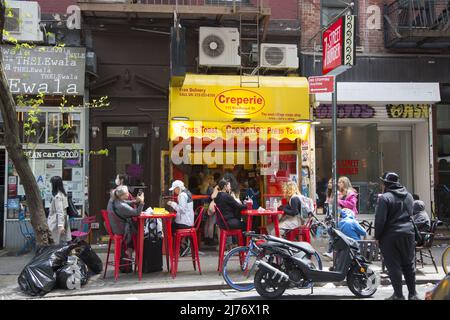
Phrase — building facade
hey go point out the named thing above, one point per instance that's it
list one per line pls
(388, 101)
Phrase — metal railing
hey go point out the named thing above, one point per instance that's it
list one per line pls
(231, 3)
(409, 15)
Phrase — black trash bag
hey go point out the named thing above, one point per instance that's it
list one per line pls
(38, 277)
(89, 257)
(84, 272)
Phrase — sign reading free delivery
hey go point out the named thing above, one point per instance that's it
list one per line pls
(221, 98)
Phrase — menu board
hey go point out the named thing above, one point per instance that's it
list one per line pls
(46, 164)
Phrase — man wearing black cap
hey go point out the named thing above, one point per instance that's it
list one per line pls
(395, 233)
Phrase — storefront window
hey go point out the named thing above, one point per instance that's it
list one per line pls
(34, 131)
(45, 164)
(61, 127)
(363, 153)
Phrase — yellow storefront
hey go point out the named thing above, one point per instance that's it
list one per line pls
(260, 132)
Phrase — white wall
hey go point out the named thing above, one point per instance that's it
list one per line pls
(421, 153)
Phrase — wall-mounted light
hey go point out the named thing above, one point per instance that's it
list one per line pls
(180, 118)
(316, 122)
(95, 131)
(156, 129)
(302, 120)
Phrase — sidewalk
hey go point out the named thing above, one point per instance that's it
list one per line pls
(187, 279)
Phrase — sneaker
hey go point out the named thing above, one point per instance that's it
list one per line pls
(186, 251)
(394, 297)
(328, 255)
(413, 297)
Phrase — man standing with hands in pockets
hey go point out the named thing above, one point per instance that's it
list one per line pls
(395, 232)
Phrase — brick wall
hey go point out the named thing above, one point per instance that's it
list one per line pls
(55, 6)
(370, 22)
(283, 9)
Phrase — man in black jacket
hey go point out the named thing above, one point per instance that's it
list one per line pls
(395, 233)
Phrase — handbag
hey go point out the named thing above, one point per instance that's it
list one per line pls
(211, 208)
(71, 210)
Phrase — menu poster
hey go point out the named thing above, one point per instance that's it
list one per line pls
(77, 198)
(77, 174)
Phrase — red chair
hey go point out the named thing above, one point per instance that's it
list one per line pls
(192, 233)
(118, 242)
(224, 234)
(85, 228)
(298, 234)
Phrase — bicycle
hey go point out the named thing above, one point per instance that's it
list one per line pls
(446, 260)
(239, 264)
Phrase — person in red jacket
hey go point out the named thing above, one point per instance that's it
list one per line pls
(348, 197)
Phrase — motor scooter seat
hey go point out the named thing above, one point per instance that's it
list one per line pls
(304, 246)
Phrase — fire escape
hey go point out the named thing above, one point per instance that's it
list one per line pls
(419, 24)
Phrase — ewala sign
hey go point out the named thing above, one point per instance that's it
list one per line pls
(338, 43)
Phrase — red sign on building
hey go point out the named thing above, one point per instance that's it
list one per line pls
(338, 46)
(322, 84)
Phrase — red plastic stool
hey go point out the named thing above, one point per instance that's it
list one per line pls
(184, 233)
(118, 243)
(224, 234)
(292, 235)
(305, 234)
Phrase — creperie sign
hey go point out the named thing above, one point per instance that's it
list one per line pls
(332, 46)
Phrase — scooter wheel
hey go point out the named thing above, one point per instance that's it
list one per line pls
(268, 288)
(363, 285)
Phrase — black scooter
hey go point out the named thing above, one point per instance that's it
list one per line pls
(291, 265)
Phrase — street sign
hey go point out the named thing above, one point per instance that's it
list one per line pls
(338, 43)
(321, 84)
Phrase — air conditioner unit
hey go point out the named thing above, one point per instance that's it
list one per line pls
(279, 56)
(219, 47)
(22, 21)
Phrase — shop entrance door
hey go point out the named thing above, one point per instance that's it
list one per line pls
(128, 155)
(396, 153)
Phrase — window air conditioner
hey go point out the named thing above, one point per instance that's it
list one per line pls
(279, 56)
(22, 21)
(219, 47)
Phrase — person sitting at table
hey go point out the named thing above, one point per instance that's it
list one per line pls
(229, 217)
(120, 213)
(185, 212)
(296, 210)
(123, 180)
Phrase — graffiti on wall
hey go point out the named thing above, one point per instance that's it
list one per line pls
(411, 111)
(356, 111)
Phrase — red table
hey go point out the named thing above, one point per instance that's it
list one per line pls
(168, 241)
(256, 213)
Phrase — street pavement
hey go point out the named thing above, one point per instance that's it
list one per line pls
(188, 283)
(328, 292)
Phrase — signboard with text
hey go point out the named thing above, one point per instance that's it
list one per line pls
(47, 70)
(321, 84)
(338, 43)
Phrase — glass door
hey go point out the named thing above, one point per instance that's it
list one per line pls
(128, 153)
(396, 153)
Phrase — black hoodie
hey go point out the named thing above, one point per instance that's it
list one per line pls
(393, 213)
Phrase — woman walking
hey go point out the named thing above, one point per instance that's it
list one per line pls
(58, 220)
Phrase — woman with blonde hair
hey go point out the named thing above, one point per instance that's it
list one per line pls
(348, 197)
(296, 211)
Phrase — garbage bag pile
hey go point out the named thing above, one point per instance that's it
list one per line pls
(66, 266)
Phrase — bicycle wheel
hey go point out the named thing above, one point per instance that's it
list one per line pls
(239, 269)
(446, 260)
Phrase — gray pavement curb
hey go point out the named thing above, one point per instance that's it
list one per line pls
(383, 282)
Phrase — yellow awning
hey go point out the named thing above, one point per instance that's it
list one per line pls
(221, 98)
(223, 130)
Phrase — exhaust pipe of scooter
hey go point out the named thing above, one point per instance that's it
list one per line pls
(274, 271)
